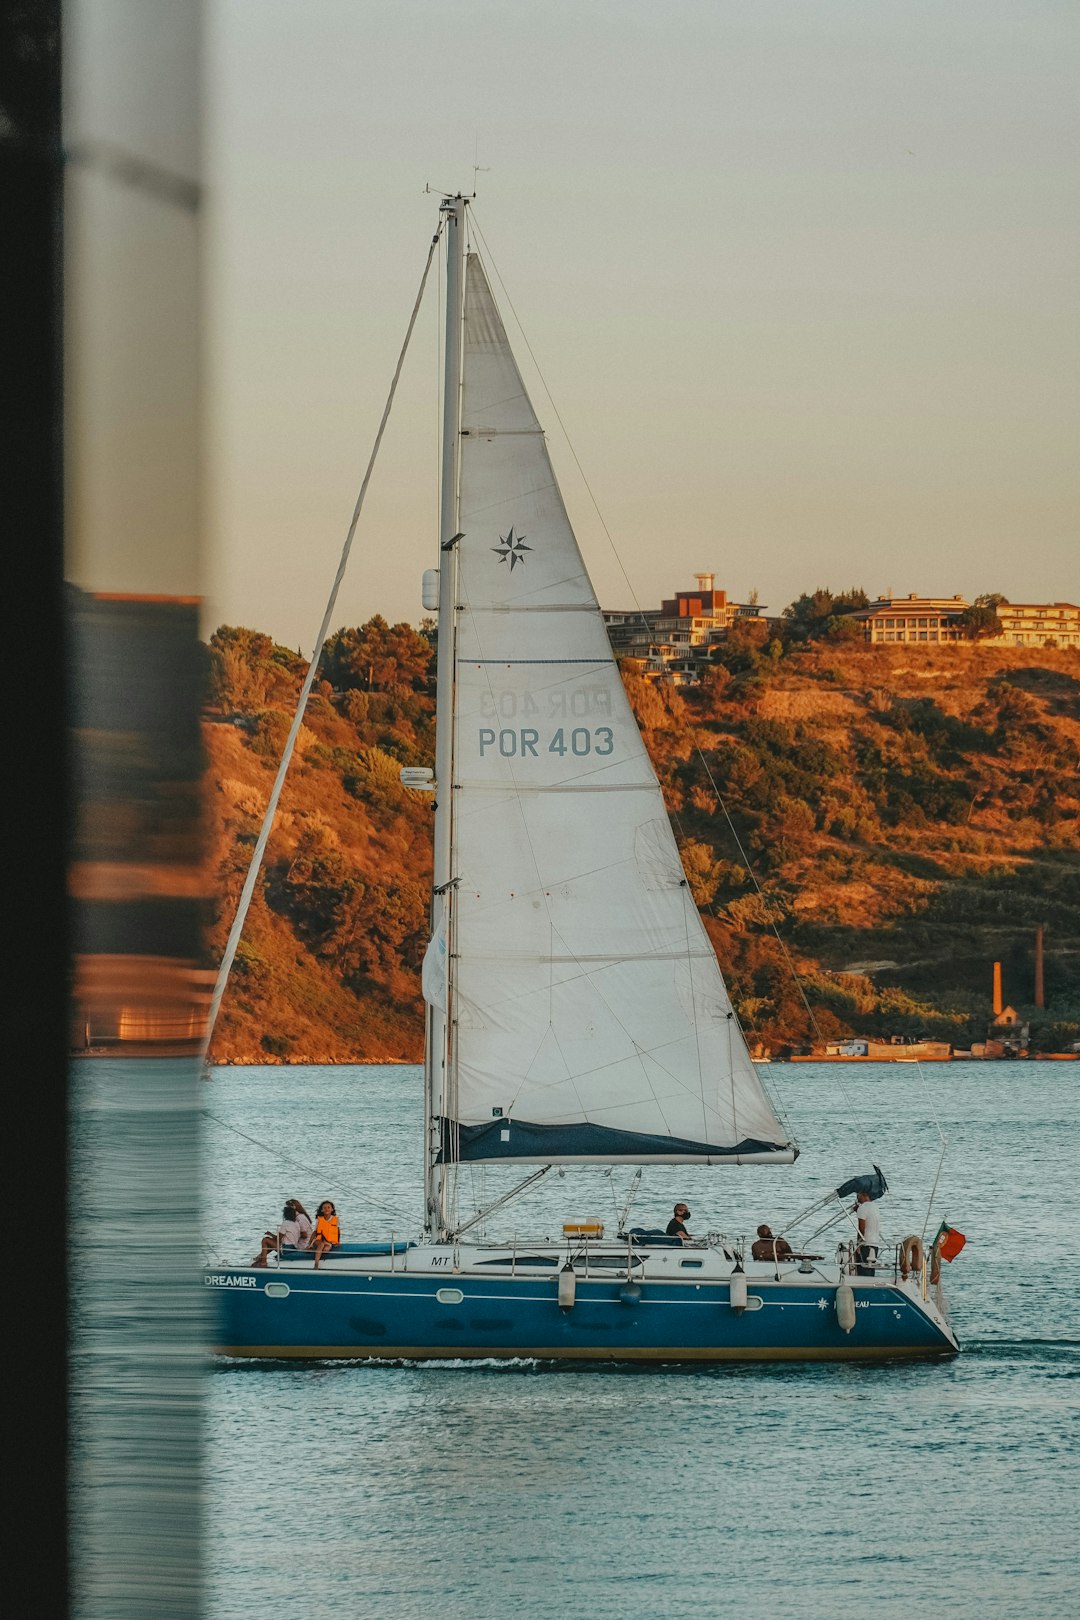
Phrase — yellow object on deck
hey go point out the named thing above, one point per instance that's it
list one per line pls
(583, 1228)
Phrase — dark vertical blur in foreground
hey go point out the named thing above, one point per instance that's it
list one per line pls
(138, 991)
(35, 798)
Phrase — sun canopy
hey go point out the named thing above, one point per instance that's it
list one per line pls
(873, 1183)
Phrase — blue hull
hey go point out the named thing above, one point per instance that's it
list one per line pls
(395, 1316)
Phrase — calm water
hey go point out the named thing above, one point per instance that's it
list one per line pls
(482, 1492)
(138, 1329)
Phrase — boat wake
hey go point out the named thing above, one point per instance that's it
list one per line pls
(1043, 1350)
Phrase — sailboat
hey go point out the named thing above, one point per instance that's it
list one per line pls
(576, 1012)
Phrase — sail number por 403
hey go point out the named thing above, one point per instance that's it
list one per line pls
(526, 742)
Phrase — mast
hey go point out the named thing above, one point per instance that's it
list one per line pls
(437, 1050)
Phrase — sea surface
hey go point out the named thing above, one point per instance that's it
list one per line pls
(480, 1491)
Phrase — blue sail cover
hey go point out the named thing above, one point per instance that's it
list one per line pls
(874, 1184)
(510, 1140)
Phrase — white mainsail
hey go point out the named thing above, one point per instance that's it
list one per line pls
(589, 1019)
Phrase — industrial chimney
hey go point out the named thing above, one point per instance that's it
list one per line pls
(997, 990)
(1040, 998)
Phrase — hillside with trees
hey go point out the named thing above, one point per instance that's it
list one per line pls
(887, 821)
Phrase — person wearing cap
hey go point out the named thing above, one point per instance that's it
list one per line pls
(676, 1227)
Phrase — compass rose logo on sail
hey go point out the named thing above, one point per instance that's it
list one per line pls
(511, 549)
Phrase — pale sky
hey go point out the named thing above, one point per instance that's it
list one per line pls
(802, 276)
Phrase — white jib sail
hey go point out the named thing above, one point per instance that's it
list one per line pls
(590, 1018)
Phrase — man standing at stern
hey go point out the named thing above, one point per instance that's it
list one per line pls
(867, 1213)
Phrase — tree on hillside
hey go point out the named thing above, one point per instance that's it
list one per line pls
(821, 616)
(249, 672)
(742, 646)
(979, 623)
(925, 827)
(703, 870)
(377, 657)
(254, 645)
(841, 627)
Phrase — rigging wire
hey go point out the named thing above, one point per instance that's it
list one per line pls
(770, 919)
(426, 1100)
(438, 388)
(309, 1169)
(555, 411)
(849, 1105)
(584, 971)
(248, 890)
(851, 1108)
(933, 1189)
(772, 1087)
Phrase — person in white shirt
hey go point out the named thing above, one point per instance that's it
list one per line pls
(295, 1229)
(867, 1213)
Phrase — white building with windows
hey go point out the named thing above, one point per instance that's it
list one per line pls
(1038, 624)
(912, 618)
(934, 619)
(674, 639)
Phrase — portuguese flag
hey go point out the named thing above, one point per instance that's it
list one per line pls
(949, 1241)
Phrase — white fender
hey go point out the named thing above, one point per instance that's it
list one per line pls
(737, 1290)
(845, 1307)
(567, 1287)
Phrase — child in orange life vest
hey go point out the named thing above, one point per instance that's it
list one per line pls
(327, 1230)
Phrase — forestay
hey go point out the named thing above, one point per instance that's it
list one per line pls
(590, 1018)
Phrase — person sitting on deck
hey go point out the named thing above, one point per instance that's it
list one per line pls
(767, 1247)
(295, 1228)
(675, 1227)
(327, 1230)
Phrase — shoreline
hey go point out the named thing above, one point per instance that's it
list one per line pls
(404, 1063)
(133, 1051)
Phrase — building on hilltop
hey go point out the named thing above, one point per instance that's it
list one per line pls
(1037, 624)
(673, 640)
(936, 619)
(631, 631)
(912, 618)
